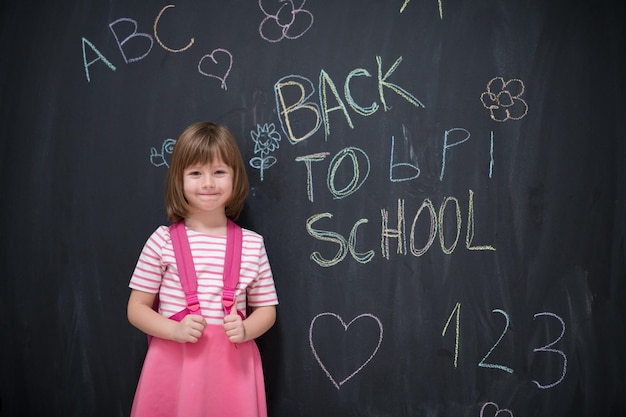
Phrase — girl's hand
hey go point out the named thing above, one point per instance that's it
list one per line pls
(234, 328)
(189, 329)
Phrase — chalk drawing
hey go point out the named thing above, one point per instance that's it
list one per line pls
(266, 140)
(338, 384)
(287, 22)
(211, 56)
(503, 99)
(157, 158)
(498, 412)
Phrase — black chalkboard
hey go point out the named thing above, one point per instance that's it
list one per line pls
(441, 187)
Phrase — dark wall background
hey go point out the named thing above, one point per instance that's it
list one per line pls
(486, 265)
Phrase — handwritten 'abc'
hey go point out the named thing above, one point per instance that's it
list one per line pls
(222, 58)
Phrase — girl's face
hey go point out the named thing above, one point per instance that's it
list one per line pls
(208, 187)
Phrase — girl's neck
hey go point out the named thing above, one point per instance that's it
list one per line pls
(214, 225)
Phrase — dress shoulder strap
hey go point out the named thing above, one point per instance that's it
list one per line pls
(232, 264)
(184, 263)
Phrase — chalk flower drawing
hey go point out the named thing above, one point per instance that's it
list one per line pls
(503, 99)
(158, 158)
(286, 22)
(266, 140)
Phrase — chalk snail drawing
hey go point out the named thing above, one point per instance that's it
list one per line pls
(159, 158)
(336, 383)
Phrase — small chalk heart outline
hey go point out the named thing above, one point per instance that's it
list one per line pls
(345, 327)
(211, 56)
(498, 410)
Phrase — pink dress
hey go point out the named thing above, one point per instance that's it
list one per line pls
(213, 377)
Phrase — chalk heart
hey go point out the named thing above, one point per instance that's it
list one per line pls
(336, 383)
(220, 73)
(490, 409)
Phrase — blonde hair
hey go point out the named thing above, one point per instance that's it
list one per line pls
(203, 143)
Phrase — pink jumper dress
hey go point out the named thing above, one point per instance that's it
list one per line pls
(210, 378)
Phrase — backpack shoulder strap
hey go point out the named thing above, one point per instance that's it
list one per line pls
(232, 264)
(184, 263)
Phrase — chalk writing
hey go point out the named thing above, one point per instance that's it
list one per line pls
(546, 348)
(156, 36)
(469, 237)
(498, 412)
(439, 4)
(134, 36)
(345, 326)
(266, 140)
(410, 170)
(157, 158)
(327, 236)
(457, 210)
(451, 138)
(301, 103)
(357, 179)
(436, 227)
(484, 364)
(399, 233)
(457, 309)
(307, 159)
(503, 99)
(447, 145)
(432, 231)
(325, 84)
(282, 22)
(412, 167)
(128, 38)
(360, 257)
(464, 137)
(491, 160)
(288, 103)
(100, 57)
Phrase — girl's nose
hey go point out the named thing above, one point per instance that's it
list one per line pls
(208, 182)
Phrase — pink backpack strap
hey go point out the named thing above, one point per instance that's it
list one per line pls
(232, 264)
(186, 269)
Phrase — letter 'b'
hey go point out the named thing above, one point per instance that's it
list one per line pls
(132, 35)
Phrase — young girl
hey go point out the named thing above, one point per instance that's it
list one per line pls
(207, 364)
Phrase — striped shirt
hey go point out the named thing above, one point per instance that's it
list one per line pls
(156, 272)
